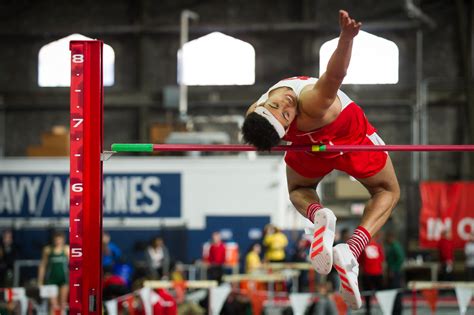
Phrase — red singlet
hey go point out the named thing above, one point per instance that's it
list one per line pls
(351, 127)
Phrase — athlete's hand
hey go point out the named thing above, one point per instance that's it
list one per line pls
(349, 27)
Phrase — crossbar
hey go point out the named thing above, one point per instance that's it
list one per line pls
(149, 147)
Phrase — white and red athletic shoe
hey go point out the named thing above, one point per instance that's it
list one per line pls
(348, 269)
(320, 252)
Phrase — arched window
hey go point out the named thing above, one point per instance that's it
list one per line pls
(374, 60)
(217, 59)
(54, 63)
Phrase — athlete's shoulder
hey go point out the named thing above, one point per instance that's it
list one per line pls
(298, 83)
(47, 249)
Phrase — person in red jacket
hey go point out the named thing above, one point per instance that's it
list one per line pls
(371, 260)
(216, 258)
(446, 255)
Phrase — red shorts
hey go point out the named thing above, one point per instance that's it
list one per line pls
(356, 164)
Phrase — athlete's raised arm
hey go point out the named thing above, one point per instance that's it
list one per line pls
(315, 101)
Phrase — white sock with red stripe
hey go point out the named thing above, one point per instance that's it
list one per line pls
(312, 209)
(358, 241)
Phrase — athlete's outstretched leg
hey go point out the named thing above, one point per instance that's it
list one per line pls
(385, 192)
(303, 195)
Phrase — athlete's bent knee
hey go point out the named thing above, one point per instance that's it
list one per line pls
(294, 195)
(299, 194)
(394, 197)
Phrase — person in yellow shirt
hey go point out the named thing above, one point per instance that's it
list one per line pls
(252, 260)
(177, 275)
(275, 242)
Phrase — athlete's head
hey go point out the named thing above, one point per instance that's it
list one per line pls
(266, 123)
(157, 242)
(216, 237)
(256, 248)
(105, 238)
(58, 238)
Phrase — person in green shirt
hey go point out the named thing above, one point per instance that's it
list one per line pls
(395, 256)
(53, 269)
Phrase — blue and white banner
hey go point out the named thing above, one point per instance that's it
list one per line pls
(125, 195)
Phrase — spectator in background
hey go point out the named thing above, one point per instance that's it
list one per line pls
(252, 260)
(157, 258)
(178, 273)
(469, 252)
(446, 255)
(301, 250)
(371, 261)
(300, 254)
(345, 235)
(275, 242)
(216, 258)
(325, 304)
(53, 269)
(113, 286)
(395, 257)
(111, 253)
(8, 254)
(264, 234)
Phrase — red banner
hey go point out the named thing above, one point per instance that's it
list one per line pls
(446, 206)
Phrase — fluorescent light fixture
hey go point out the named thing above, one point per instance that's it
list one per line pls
(54, 63)
(216, 59)
(374, 60)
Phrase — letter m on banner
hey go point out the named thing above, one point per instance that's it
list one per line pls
(446, 206)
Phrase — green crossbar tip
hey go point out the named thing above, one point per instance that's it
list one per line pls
(132, 147)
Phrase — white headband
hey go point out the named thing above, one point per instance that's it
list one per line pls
(265, 113)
